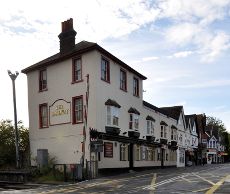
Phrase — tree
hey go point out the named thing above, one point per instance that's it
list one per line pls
(215, 123)
(7, 142)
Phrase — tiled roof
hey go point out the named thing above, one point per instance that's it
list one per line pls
(154, 108)
(80, 48)
(173, 111)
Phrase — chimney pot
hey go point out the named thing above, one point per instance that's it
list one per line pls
(67, 36)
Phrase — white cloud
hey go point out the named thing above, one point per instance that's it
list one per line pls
(181, 54)
(150, 58)
(214, 46)
(206, 84)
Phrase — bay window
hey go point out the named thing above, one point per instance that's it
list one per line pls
(112, 116)
(133, 121)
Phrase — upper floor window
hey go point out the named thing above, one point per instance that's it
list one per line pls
(135, 87)
(105, 70)
(42, 80)
(163, 131)
(181, 138)
(112, 116)
(77, 70)
(43, 115)
(133, 121)
(123, 80)
(173, 134)
(77, 109)
(150, 127)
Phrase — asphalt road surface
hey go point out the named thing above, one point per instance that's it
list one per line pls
(214, 178)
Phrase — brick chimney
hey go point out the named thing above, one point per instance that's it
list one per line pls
(67, 36)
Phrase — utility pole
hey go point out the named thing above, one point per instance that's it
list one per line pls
(13, 78)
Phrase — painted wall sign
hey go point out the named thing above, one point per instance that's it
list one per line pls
(108, 149)
(60, 112)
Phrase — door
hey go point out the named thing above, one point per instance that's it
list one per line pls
(162, 157)
(131, 156)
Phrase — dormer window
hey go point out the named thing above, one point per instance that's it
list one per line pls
(112, 116)
(163, 129)
(173, 133)
(133, 121)
(133, 118)
(150, 125)
(112, 112)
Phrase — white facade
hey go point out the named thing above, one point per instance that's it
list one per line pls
(159, 134)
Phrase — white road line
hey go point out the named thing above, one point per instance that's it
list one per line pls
(150, 187)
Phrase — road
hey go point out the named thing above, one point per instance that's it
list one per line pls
(206, 179)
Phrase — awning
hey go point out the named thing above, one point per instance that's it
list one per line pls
(163, 123)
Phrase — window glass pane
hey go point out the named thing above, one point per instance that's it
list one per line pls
(108, 115)
(148, 127)
(78, 109)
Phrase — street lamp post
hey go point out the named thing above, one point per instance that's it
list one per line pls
(13, 78)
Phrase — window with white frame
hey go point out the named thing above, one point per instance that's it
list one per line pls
(181, 138)
(173, 134)
(143, 152)
(112, 116)
(133, 121)
(163, 131)
(124, 152)
(150, 127)
(138, 153)
(150, 152)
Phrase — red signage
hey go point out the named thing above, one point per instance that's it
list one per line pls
(108, 150)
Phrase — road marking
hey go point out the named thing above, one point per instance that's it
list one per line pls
(153, 183)
(204, 179)
(217, 185)
(186, 179)
(201, 190)
(149, 187)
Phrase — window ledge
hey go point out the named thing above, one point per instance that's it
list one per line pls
(107, 81)
(78, 81)
(43, 90)
(80, 122)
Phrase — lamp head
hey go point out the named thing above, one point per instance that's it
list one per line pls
(9, 72)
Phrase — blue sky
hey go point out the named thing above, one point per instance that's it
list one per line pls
(181, 46)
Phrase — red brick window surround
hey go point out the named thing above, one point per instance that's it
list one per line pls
(42, 80)
(105, 70)
(77, 70)
(135, 87)
(123, 80)
(77, 109)
(43, 115)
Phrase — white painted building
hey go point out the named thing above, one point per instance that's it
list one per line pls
(87, 105)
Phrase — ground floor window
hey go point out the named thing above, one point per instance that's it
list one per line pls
(172, 155)
(181, 156)
(137, 152)
(158, 155)
(143, 153)
(150, 154)
(124, 152)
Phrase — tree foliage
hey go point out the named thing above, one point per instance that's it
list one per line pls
(7, 142)
(215, 123)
